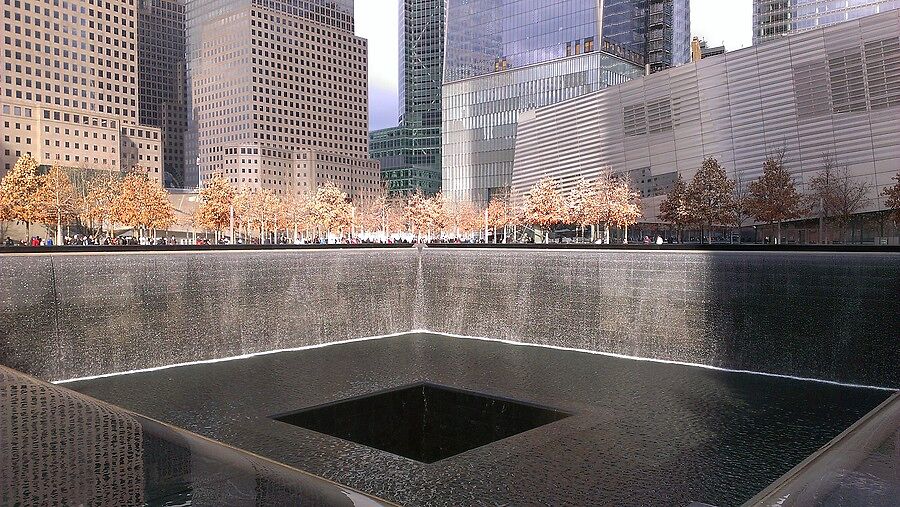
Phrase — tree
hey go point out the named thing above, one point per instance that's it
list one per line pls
(372, 213)
(55, 200)
(582, 204)
(498, 215)
(674, 209)
(892, 195)
(216, 201)
(849, 198)
(740, 202)
(607, 204)
(820, 189)
(332, 209)
(625, 205)
(469, 218)
(262, 209)
(773, 198)
(838, 195)
(545, 206)
(416, 213)
(453, 211)
(159, 214)
(242, 212)
(709, 196)
(127, 208)
(142, 204)
(394, 216)
(18, 190)
(97, 204)
(82, 179)
(295, 210)
(435, 217)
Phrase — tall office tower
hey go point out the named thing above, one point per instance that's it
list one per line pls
(652, 32)
(161, 79)
(278, 95)
(506, 57)
(69, 87)
(410, 154)
(775, 18)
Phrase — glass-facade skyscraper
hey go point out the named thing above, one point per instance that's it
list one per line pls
(507, 57)
(161, 79)
(485, 36)
(410, 154)
(659, 31)
(776, 18)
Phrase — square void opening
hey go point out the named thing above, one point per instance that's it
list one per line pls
(424, 422)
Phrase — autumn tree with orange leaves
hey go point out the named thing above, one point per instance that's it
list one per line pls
(545, 206)
(581, 204)
(159, 215)
(55, 201)
(626, 205)
(892, 195)
(142, 204)
(435, 218)
(242, 219)
(331, 209)
(374, 214)
(675, 208)
(216, 201)
(470, 218)
(100, 197)
(773, 198)
(709, 196)
(295, 214)
(499, 216)
(17, 192)
(416, 213)
(262, 211)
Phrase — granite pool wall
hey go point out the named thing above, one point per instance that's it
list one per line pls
(827, 315)
(66, 316)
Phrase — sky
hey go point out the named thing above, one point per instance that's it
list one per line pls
(720, 22)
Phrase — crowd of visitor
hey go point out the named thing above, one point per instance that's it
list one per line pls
(82, 240)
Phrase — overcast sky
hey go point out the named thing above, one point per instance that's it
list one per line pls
(725, 22)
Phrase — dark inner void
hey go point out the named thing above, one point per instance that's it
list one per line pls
(424, 422)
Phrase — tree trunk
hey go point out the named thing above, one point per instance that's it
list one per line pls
(58, 229)
(778, 234)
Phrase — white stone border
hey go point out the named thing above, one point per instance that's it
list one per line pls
(508, 342)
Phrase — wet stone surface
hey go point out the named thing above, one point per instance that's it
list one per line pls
(639, 433)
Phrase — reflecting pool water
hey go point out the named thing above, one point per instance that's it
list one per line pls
(617, 431)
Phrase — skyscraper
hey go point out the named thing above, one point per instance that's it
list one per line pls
(277, 93)
(775, 18)
(410, 154)
(70, 86)
(658, 31)
(161, 79)
(505, 57)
